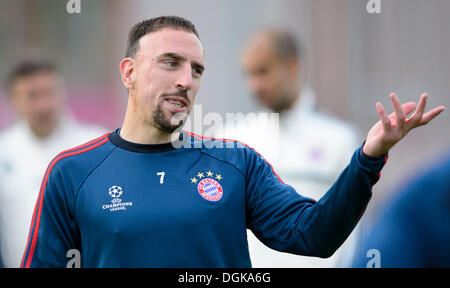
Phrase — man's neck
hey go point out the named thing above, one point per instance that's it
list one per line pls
(144, 134)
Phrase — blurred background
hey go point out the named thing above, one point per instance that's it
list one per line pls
(354, 59)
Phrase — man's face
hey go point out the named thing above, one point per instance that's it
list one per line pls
(38, 99)
(268, 77)
(169, 66)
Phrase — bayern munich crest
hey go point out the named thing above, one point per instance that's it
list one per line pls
(209, 187)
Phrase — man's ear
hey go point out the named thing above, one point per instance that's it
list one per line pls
(128, 72)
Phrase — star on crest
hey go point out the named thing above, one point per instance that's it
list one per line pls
(201, 176)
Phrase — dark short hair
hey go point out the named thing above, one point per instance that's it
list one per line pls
(28, 68)
(285, 44)
(141, 29)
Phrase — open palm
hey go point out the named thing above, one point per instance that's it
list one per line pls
(392, 128)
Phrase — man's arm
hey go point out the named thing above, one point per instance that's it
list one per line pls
(288, 222)
(53, 230)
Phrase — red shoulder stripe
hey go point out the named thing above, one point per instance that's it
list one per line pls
(37, 211)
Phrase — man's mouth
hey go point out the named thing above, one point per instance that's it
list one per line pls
(177, 104)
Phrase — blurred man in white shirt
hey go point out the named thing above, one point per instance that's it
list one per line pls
(43, 128)
(308, 150)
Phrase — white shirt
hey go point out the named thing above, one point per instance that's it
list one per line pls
(23, 161)
(308, 152)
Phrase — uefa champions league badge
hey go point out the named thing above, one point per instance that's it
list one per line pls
(115, 192)
(208, 186)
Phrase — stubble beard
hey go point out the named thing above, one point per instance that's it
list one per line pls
(167, 125)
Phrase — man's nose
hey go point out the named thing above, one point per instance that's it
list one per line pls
(184, 80)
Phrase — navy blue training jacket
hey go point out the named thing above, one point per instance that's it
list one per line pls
(123, 204)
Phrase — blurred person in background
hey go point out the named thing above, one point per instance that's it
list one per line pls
(414, 230)
(43, 128)
(311, 149)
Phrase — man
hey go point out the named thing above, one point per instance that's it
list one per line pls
(413, 231)
(42, 129)
(311, 148)
(132, 198)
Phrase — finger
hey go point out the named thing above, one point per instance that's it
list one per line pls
(385, 121)
(399, 113)
(407, 108)
(417, 116)
(430, 115)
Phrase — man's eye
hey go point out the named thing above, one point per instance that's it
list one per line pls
(197, 71)
(171, 64)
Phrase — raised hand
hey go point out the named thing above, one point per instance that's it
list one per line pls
(391, 129)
